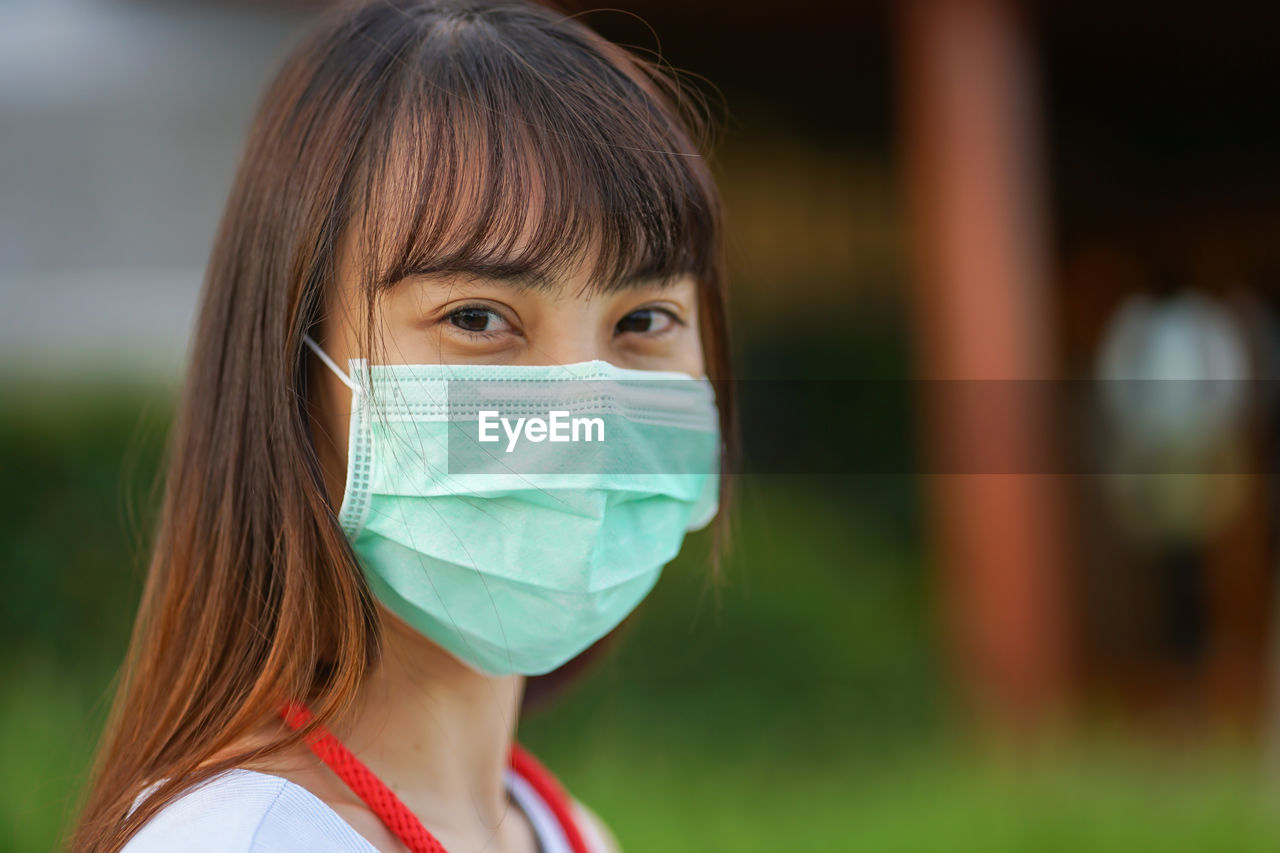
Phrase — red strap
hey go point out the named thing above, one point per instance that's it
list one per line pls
(389, 808)
(541, 780)
(368, 787)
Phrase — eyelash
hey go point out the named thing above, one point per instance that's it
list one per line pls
(474, 307)
(675, 320)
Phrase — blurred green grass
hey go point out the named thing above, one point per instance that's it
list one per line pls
(799, 708)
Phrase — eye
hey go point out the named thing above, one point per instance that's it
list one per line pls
(478, 319)
(647, 321)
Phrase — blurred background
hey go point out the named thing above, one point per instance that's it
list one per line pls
(1053, 630)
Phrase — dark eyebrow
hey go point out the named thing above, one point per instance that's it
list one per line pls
(517, 275)
(522, 277)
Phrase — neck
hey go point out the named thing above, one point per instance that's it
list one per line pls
(436, 732)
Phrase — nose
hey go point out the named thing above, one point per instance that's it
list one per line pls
(563, 351)
(567, 332)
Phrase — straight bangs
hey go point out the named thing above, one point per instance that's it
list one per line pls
(512, 149)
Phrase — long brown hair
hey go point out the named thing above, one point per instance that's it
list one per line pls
(450, 133)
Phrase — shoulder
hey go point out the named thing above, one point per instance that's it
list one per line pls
(243, 811)
(599, 838)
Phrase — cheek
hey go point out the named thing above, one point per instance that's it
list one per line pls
(698, 344)
(330, 422)
(689, 356)
(340, 429)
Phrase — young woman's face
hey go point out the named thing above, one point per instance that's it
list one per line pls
(478, 319)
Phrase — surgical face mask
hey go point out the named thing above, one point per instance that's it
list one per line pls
(515, 514)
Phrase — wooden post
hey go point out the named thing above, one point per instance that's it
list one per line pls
(970, 149)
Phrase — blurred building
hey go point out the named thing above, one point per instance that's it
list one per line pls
(120, 126)
(1069, 163)
(991, 180)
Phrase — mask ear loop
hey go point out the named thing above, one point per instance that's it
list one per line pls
(324, 356)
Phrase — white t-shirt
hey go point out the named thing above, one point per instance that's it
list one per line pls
(244, 811)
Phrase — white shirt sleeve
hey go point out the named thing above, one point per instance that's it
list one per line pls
(242, 811)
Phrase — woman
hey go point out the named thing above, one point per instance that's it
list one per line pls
(334, 637)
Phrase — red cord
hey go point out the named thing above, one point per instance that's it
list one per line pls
(549, 789)
(361, 780)
(394, 814)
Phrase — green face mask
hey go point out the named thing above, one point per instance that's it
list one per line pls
(515, 514)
